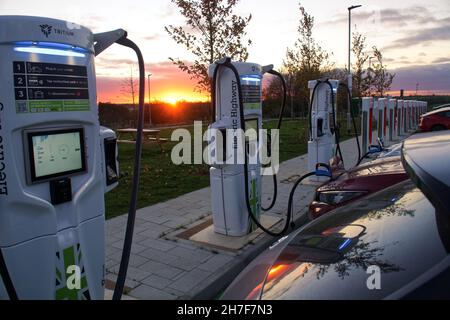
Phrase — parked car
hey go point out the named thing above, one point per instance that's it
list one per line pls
(361, 181)
(436, 120)
(441, 106)
(394, 150)
(392, 244)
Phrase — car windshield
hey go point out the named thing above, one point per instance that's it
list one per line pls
(396, 233)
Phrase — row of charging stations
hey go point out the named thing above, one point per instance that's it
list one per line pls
(394, 118)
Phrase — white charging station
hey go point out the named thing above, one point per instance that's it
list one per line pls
(420, 112)
(409, 115)
(321, 144)
(416, 114)
(400, 115)
(230, 214)
(366, 125)
(381, 111)
(56, 162)
(411, 106)
(392, 114)
(405, 117)
(376, 117)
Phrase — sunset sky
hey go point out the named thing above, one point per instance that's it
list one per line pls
(414, 37)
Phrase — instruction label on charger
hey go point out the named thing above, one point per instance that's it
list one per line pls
(251, 95)
(50, 87)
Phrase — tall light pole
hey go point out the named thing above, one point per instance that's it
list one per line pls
(349, 79)
(149, 102)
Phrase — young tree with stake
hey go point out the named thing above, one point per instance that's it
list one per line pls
(212, 31)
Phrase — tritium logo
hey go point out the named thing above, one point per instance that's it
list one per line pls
(46, 29)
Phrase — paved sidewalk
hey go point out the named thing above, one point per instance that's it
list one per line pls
(164, 266)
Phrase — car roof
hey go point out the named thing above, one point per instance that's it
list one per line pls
(442, 106)
(436, 111)
(426, 160)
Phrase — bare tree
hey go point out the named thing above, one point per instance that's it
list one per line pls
(382, 79)
(212, 31)
(129, 88)
(361, 82)
(306, 60)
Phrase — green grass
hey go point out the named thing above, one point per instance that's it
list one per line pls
(162, 180)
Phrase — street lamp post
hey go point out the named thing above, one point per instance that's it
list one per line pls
(349, 79)
(149, 102)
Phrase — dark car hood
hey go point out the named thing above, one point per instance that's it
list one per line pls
(400, 237)
(396, 230)
(378, 166)
(371, 170)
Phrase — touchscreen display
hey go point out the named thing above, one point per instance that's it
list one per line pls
(56, 153)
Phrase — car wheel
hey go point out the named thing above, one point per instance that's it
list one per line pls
(438, 128)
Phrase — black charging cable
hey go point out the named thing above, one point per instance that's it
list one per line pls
(355, 129)
(7, 282)
(279, 124)
(126, 252)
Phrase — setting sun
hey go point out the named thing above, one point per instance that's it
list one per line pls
(171, 100)
(174, 98)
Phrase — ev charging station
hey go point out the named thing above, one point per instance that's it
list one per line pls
(236, 145)
(419, 111)
(410, 115)
(366, 126)
(56, 162)
(392, 119)
(230, 215)
(413, 113)
(418, 103)
(321, 144)
(400, 115)
(405, 116)
(382, 107)
(416, 114)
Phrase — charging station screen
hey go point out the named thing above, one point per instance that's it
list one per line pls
(56, 153)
